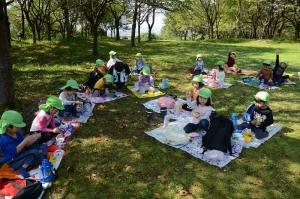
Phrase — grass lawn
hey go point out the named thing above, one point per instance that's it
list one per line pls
(127, 163)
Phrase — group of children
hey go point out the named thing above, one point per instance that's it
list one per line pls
(21, 153)
(266, 73)
(201, 108)
(199, 101)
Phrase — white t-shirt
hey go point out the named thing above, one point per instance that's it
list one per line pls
(220, 77)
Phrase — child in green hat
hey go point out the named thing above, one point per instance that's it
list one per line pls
(103, 85)
(139, 63)
(220, 76)
(266, 73)
(261, 117)
(197, 84)
(15, 148)
(278, 71)
(201, 111)
(144, 81)
(112, 59)
(69, 101)
(199, 68)
(99, 71)
(44, 121)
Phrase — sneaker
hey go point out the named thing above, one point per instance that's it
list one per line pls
(22, 171)
(77, 115)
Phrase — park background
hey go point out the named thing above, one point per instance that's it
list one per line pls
(111, 156)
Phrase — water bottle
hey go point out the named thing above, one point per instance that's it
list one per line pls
(262, 84)
(234, 121)
(166, 121)
(47, 171)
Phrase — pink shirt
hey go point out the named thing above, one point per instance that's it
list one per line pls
(42, 121)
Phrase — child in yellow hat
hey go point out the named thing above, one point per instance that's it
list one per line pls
(15, 148)
(69, 101)
(44, 121)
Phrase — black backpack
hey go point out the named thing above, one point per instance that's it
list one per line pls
(218, 135)
(94, 77)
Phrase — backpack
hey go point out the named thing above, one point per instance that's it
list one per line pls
(95, 75)
(20, 188)
(249, 109)
(218, 135)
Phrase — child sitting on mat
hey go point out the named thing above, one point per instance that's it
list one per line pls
(265, 73)
(220, 76)
(199, 66)
(261, 116)
(69, 101)
(278, 71)
(144, 81)
(139, 63)
(103, 85)
(44, 121)
(99, 71)
(16, 149)
(197, 85)
(112, 59)
(201, 111)
(229, 65)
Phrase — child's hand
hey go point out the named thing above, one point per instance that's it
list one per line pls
(253, 122)
(30, 139)
(56, 130)
(78, 102)
(230, 50)
(258, 123)
(277, 52)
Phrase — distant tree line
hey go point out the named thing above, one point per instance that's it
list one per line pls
(252, 19)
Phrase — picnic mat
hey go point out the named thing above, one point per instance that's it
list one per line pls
(146, 95)
(194, 147)
(265, 88)
(152, 104)
(84, 116)
(243, 72)
(97, 100)
(225, 84)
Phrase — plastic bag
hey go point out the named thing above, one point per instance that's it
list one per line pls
(214, 156)
(175, 135)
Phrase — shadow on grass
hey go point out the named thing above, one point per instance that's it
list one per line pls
(127, 163)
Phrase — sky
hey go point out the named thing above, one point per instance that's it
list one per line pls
(158, 24)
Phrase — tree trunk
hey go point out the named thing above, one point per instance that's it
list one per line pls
(7, 94)
(95, 39)
(117, 24)
(133, 27)
(7, 24)
(297, 30)
(67, 19)
(23, 23)
(238, 20)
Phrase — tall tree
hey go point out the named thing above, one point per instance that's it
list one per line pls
(94, 11)
(6, 74)
(118, 9)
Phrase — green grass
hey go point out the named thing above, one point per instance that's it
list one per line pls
(127, 163)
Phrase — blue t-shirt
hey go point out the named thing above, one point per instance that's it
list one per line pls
(139, 64)
(9, 145)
